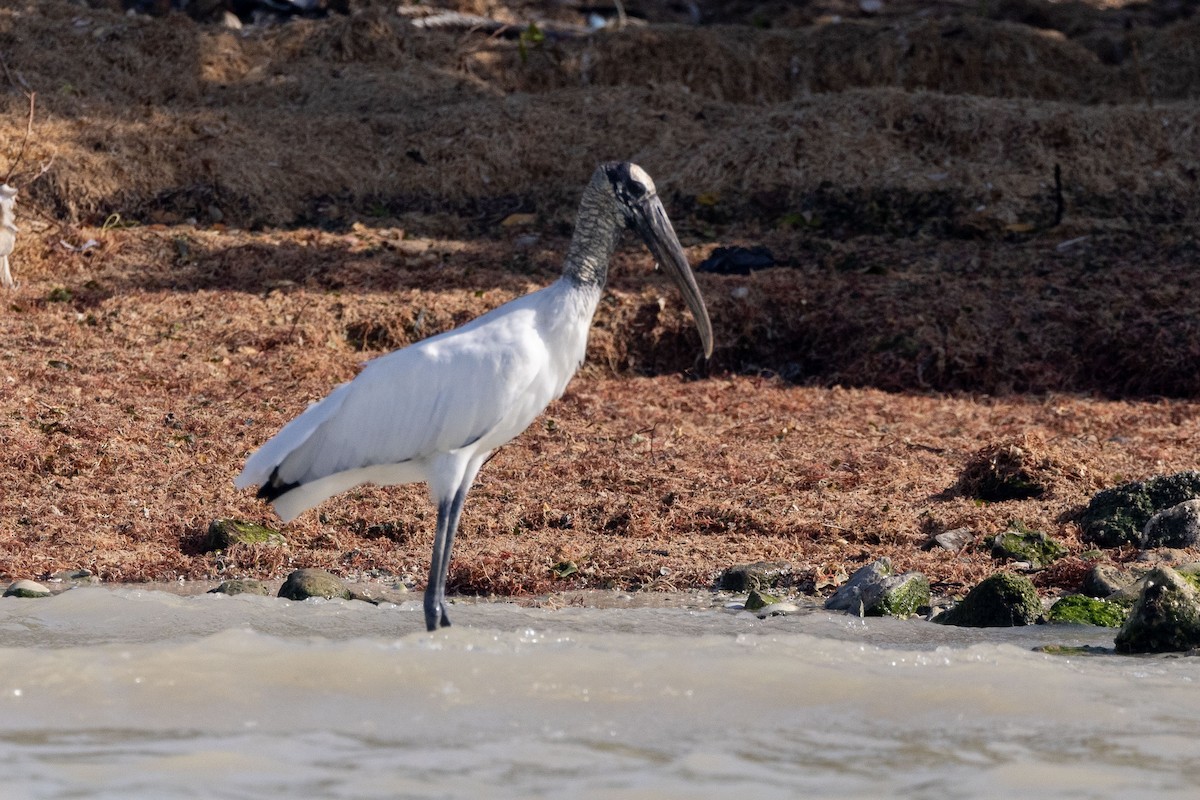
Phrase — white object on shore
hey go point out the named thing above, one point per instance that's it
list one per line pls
(8, 232)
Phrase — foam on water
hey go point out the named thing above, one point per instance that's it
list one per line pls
(133, 693)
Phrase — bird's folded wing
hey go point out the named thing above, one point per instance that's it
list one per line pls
(437, 396)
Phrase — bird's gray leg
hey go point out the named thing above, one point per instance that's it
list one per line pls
(435, 589)
(439, 565)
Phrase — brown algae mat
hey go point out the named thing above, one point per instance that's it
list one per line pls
(983, 224)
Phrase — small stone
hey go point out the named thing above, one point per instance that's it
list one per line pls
(863, 589)
(26, 588)
(759, 575)
(954, 540)
(1020, 543)
(1177, 526)
(781, 609)
(1105, 580)
(71, 575)
(238, 586)
(305, 583)
(1001, 600)
(874, 591)
(224, 533)
(1165, 618)
(758, 600)
(1163, 555)
(378, 596)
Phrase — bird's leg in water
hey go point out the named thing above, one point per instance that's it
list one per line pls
(439, 566)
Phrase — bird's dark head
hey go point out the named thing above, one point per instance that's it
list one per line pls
(631, 187)
(638, 202)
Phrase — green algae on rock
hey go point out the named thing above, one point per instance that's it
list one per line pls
(1083, 610)
(874, 591)
(1117, 516)
(1002, 600)
(223, 533)
(903, 596)
(237, 586)
(1165, 618)
(1021, 543)
(759, 599)
(27, 589)
(305, 583)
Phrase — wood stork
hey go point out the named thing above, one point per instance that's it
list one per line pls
(435, 410)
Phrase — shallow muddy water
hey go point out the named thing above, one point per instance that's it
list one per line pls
(119, 693)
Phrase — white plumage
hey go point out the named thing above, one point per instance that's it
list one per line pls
(435, 410)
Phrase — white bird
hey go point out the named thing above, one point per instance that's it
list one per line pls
(435, 410)
(8, 233)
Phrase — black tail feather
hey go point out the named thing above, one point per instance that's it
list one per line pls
(274, 487)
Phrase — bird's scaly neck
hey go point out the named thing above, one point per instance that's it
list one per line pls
(598, 228)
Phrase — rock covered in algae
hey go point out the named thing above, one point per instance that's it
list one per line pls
(305, 583)
(1166, 616)
(1118, 516)
(1080, 609)
(223, 533)
(239, 586)
(759, 575)
(1002, 600)
(875, 591)
(759, 599)
(26, 588)
(1177, 526)
(1021, 543)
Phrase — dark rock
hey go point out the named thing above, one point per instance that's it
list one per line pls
(1105, 580)
(737, 260)
(1165, 618)
(759, 575)
(305, 583)
(875, 591)
(1001, 600)
(1019, 543)
(223, 533)
(1177, 526)
(1117, 516)
(26, 588)
(1083, 610)
(863, 589)
(248, 586)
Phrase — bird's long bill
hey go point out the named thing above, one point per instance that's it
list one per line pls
(659, 235)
